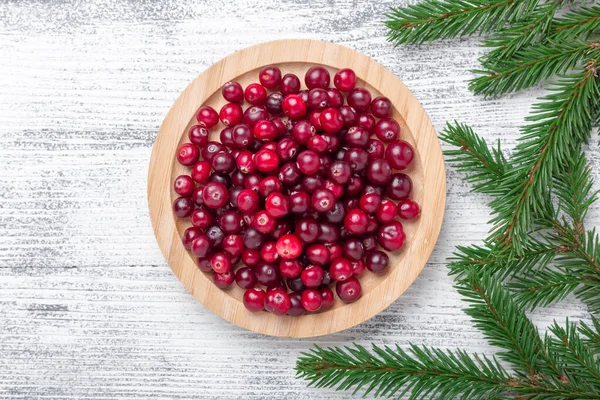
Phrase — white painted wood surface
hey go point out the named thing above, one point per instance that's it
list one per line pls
(88, 306)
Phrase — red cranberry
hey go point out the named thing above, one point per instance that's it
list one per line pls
(184, 185)
(233, 245)
(197, 195)
(348, 290)
(254, 299)
(277, 302)
(333, 142)
(335, 98)
(198, 135)
(327, 298)
(207, 117)
(399, 187)
(231, 114)
(267, 273)
(183, 207)
(387, 130)
(231, 222)
(340, 270)
(211, 149)
(273, 103)
(356, 221)
(391, 236)
(277, 205)
(233, 92)
(215, 195)
(307, 229)
(220, 263)
(269, 185)
(375, 150)
(266, 160)
(360, 99)
(265, 130)
(223, 162)
(287, 149)
(270, 76)
(290, 174)
(317, 77)
(263, 222)
(311, 299)
(223, 280)
(309, 162)
(188, 154)
(358, 267)
(252, 181)
(251, 257)
(268, 252)
(379, 172)
(312, 276)
(241, 135)
(201, 171)
(350, 116)
(296, 309)
(201, 246)
(399, 154)
(290, 84)
(381, 107)
(289, 246)
(331, 120)
(353, 249)
(328, 233)
(370, 202)
(253, 239)
(336, 214)
(367, 121)
(302, 131)
(387, 211)
(317, 144)
(202, 218)
(290, 268)
(295, 284)
(317, 254)
(317, 99)
(323, 200)
(216, 236)
(408, 209)
(255, 94)
(335, 251)
(299, 202)
(345, 79)
(339, 172)
(357, 136)
(377, 261)
(189, 236)
(293, 106)
(254, 114)
(203, 264)
(357, 158)
(314, 117)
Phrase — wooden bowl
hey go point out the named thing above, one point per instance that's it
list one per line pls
(427, 173)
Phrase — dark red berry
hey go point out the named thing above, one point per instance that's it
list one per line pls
(223, 280)
(302, 131)
(277, 302)
(289, 246)
(331, 120)
(399, 187)
(360, 99)
(317, 99)
(266, 160)
(290, 84)
(255, 94)
(254, 299)
(270, 76)
(215, 195)
(231, 114)
(184, 185)
(387, 130)
(408, 209)
(339, 172)
(367, 121)
(340, 270)
(233, 92)
(311, 299)
(377, 261)
(293, 106)
(317, 254)
(251, 257)
(357, 136)
(379, 171)
(312, 276)
(348, 290)
(308, 162)
(183, 207)
(335, 98)
(345, 79)
(381, 107)
(198, 135)
(189, 236)
(323, 200)
(399, 154)
(188, 154)
(273, 103)
(356, 221)
(317, 77)
(201, 246)
(202, 218)
(207, 117)
(290, 268)
(233, 245)
(296, 309)
(391, 236)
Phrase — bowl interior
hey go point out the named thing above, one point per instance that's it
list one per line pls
(369, 281)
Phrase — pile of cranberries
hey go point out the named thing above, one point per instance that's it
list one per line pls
(298, 190)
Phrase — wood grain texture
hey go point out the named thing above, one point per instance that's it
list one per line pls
(88, 306)
(296, 56)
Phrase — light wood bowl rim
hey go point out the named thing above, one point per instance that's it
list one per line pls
(414, 256)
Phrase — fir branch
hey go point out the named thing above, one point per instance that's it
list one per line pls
(441, 19)
(561, 121)
(581, 23)
(543, 288)
(426, 372)
(578, 361)
(530, 66)
(485, 167)
(522, 33)
(591, 334)
(505, 325)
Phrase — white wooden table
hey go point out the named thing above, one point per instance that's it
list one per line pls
(88, 306)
